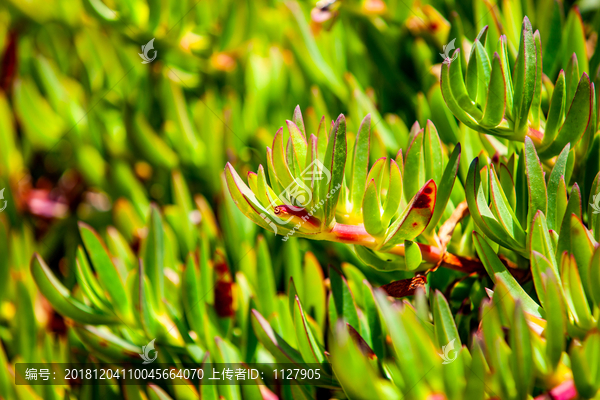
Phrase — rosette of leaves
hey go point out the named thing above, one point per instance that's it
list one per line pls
(505, 196)
(492, 99)
(390, 210)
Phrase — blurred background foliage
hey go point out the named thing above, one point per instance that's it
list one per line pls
(89, 133)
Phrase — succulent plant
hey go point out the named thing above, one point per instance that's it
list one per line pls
(320, 190)
(119, 233)
(494, 101)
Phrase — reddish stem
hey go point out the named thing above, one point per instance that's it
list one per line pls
(356, 234)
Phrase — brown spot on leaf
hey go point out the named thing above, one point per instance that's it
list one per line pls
(223, 286)
(422, 201)
(224, 299)
(428, 190)
(8, 67)
(405, 287)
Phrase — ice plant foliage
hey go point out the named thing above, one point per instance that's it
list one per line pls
(494, 100)
(107, 258)
(347, 200)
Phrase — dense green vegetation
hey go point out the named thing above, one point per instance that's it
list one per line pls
(404, 192)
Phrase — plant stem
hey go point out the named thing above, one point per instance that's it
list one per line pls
(356, 234)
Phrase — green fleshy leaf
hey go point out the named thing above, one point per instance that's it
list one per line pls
(497, 270)
(576, 122)
(373, 320)
(360, 163)
(248, 204)
(478, 73)
(445, 327)
(118, 245)
(562, 202)
(403, 348)
(356, 374)
(272, 175)
(343, 302)
(445, 188)
(540, 265)
(556, 113)
(537, 93)
(502, 210)
(555, 317)
(553, 185)
(584, 363)
(457, 87)
(446, 80)
(394, 194)
(412, 255)
(594, 279)
(524, 77)
(521, 358)
(476, 380)
(573, 208)
(298, 121)
(309, 347)
(502, 49)
(414, 219)
(194, 299)
(495, 104)
(508, 186)
(142, 301)
(377, 172)
(109, 277)
(335, 161)
(372, 210)
(539, 240)
(538, 195)
(88, 282)
(154, 253)
(106, 345)
(314, 289)
(282, 169)
(572, 77)
(266, 290)
(574, 294)
(414, 166)
(274, 343)
(432, 153)
(481, 213)
(579, 244)
(298, 145)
